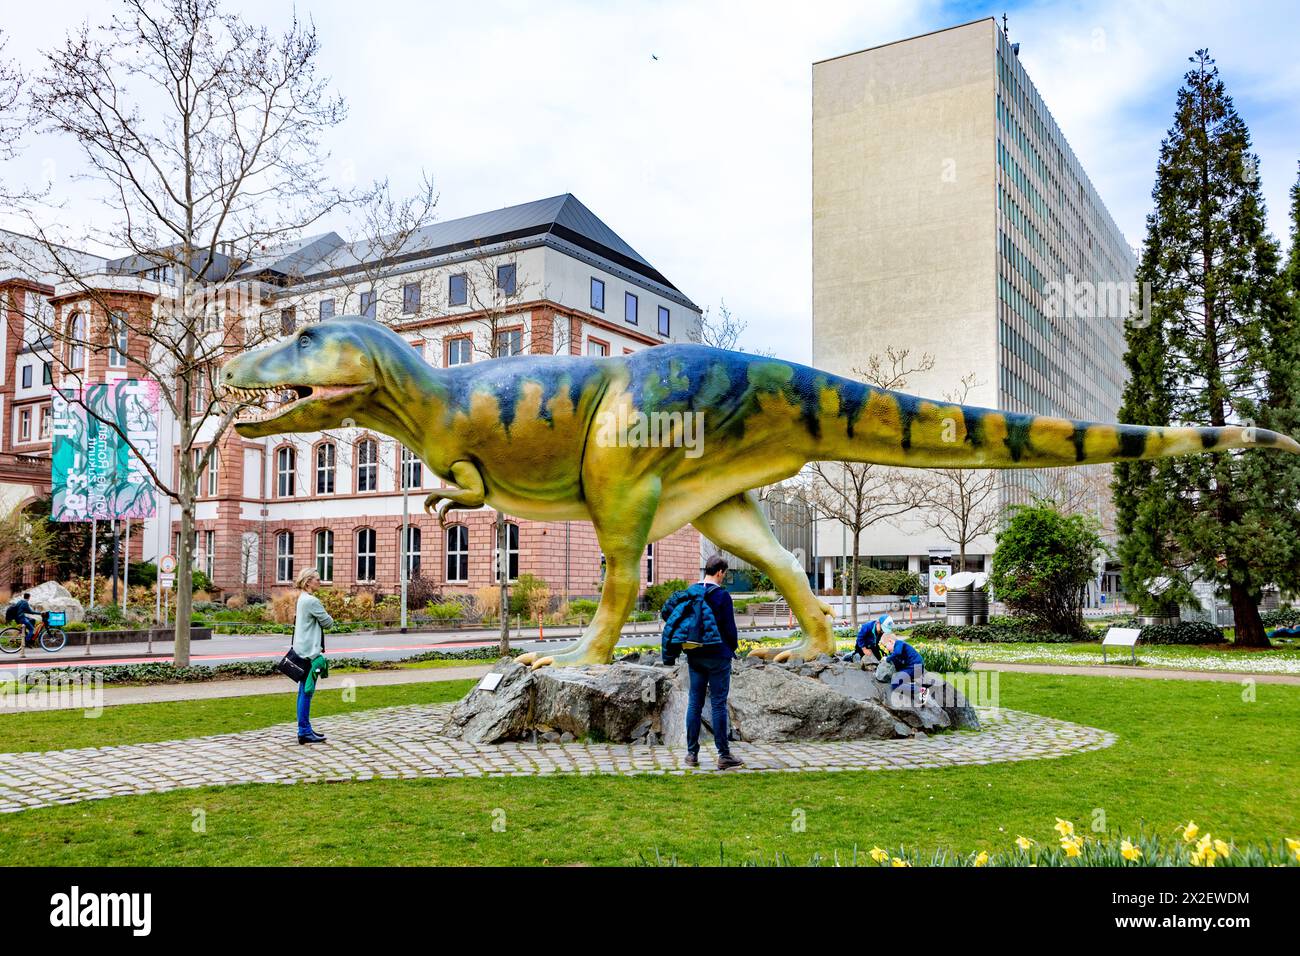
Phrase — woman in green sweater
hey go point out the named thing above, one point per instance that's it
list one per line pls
(309, 644)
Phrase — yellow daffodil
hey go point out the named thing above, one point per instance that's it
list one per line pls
(1294, 847)
(1024, 842)
(1190, 831)
(1221, 848)
(982, 859)
(1064, 827)
(899, 861)
(879, 855)
(1130, 852)
(1071, 846)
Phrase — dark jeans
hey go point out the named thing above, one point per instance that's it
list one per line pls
(714, 675)
(304, 710)
(910, 676)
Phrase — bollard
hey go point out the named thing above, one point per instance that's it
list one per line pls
(88, 633)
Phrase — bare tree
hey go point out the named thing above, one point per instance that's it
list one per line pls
(962, 504)
(723, 331)
(858, 494)
(203, 134)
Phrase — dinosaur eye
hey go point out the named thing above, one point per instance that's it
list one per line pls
(304, 341)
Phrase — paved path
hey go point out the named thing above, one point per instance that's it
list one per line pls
(406, 742)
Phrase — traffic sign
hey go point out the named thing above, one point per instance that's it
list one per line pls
(167, 564)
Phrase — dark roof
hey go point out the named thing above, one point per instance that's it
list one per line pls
(561, 216)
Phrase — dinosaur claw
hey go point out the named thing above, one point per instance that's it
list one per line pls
(527, 658)
(543, 662)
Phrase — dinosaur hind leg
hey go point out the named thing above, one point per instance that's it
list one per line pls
(738, 525)
(623, 539)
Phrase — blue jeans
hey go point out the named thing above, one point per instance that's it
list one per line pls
(906, 677)
(714, 675)
(304, 711)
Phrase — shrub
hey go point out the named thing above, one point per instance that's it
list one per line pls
(76, 626)
(421, 592)
(529, 596)
(1282, 617)
(236, 602)
(582, 609)
(284, 607)
(201, 581)
(1184, 632)
(656, 594)
(444, 611)
(144, 573)
(943, 660)
(1041, 563)
(487, 602)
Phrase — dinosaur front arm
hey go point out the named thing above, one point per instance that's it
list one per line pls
(469, 495)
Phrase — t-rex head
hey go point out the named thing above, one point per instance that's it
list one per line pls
(344, 371)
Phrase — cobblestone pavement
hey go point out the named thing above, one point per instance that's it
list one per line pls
(405, 742)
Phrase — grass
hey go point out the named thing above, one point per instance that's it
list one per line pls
(1277, 660)
(1186, 750)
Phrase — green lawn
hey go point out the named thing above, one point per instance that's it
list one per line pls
(1186, 750)
(1282, 659)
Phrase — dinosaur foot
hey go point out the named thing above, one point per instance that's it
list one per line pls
(575, 656)
(805, 650)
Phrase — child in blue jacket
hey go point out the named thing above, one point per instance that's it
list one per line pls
(902, 664)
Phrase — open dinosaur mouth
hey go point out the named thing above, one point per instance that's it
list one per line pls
(266, 403)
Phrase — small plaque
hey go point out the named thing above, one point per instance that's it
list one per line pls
(490, 682)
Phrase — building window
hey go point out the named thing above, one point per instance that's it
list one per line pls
(412, 469)
(209, 552)
(412, 551)
(117, 341)
(45, 423)
(24, 424)
(366, 554)
(286, 467)
(597, 348)
(650, 564)
(506, 278)
(597, 294)
(325, 466)
(512, 550)
(664, 321)
(410, 298)
(289, 320)
(457, 554)
(47, 374)
(213, 464)
(284, 557)
(325, 554)
(77, 351)
(368, 304)
(629, 307)
(458, 289)
(27, 376)
(367, 465)
(509, 342)
(458, 351)
(326, 309)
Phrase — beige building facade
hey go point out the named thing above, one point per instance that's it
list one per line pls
(952, 219)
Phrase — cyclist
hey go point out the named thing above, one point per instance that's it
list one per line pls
(23, 613)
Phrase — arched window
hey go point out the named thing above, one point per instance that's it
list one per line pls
(325, 554)
(367, 465)
(325, 467)
(457, 554)
(412, 469)
(77, 350)
(366, 554)
(286, 467)
(512, 551)
(412, 550)
(284, 557)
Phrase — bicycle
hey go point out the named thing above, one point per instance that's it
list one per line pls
(48, 634)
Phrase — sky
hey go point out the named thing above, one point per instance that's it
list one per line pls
(686, 126)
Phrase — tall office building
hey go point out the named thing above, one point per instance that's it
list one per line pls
(952, 219)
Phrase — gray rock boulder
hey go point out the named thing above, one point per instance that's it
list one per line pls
(638, 700)
(53, 596)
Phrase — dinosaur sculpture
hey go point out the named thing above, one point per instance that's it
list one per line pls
(643, 444)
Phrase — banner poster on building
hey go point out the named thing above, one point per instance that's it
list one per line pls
(939, 574)
(94, 472)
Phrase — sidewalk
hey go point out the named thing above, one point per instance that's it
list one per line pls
(1123, 670)
(250, 687)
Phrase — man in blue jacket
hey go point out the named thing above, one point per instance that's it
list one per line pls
(870, 635)
(709, 666)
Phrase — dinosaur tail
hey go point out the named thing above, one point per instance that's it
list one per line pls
(872, 425)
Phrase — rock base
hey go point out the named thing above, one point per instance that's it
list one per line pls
(639, 700)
